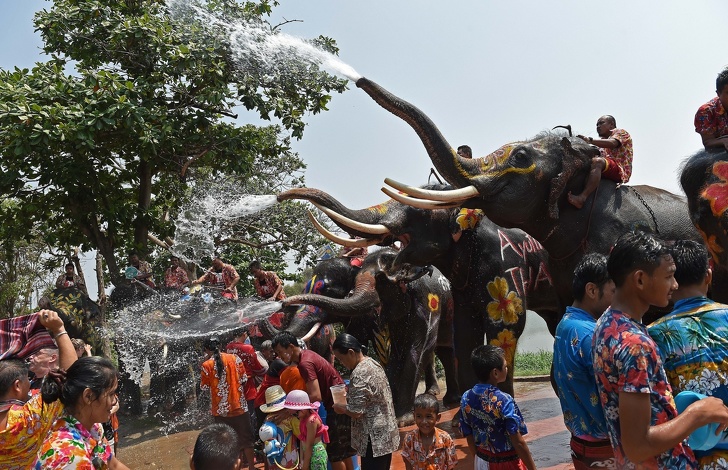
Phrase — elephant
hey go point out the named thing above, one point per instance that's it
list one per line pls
(81, 315)
(703, 177)
(495, 273)
(405, 313)
(525, 185)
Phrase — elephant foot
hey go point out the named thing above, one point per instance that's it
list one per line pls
(433, 390)
(451, 399)
(406, 419)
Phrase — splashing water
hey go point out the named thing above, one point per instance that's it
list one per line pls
(258, 43)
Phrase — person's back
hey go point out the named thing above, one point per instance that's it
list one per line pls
(490, 419)
(216, 448)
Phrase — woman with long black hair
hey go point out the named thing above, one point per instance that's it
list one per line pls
(224, 375)
(374, 432)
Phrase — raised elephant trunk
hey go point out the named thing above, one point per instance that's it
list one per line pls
(364, 299)
(456, 170)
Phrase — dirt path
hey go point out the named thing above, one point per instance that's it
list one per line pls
(145, 447)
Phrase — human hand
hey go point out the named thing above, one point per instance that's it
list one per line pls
(710, 410)
(585, 139)
(339, 408)
(87, 348)
(51, 321)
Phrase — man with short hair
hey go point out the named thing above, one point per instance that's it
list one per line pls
(319, 375)
(266, 350)
(465, 151)
(614, 161)
(643, 424)
(574, 368)
(143, 269)
(267, 283)
(24, 423)
(223, 276)
(40, 363)
(692, 340)
(711, 120)
(175, 276)
(216, 448)
(70, 279)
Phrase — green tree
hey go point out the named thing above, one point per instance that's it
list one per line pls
(105, 155)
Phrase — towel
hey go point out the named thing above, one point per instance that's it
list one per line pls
(20, 337)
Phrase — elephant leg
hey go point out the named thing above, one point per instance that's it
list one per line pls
(446, 354)
(130, 394)
(431, 385)
(469, 333)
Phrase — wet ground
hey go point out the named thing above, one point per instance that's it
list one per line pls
(143, 446)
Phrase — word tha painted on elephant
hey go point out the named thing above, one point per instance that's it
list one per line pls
(527, 282)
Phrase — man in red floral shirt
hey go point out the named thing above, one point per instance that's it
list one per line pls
(267, 283)
(711, 120)
(223, 276)
(614, 161)
(175, 276)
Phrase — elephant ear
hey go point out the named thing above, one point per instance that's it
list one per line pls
(572, 163)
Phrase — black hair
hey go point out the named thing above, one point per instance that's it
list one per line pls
(10, 371)
(426, 401)
(216, 448)
(466, 149)
(255, 264)
(285, 339)
(691, 262)
(69, 264)
(345, 341)
(213, 344)
(722, 80)
(635, 251)
(591, 268)
(95, 373)
(611, 119)
(484, 359)
(275, 368)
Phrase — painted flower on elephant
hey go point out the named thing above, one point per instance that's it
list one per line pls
(506, 305)
(507, 341)
(433, 302)
(468, 219)
(717, 193)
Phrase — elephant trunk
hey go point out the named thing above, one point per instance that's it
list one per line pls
(364, 299)
(456, 170)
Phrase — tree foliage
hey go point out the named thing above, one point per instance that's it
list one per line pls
(104, 155)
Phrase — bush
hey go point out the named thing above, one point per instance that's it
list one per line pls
(533, 363)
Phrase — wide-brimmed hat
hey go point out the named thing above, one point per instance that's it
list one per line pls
(274, 398)
(299, 400)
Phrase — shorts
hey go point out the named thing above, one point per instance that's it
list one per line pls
(501, 461)
(611, 170)
(339, 446)
(319, 457)
(592, 454)
(241, 425)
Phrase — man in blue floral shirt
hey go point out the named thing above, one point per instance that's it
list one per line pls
(693, 340)
(633, 388)
(574, 369)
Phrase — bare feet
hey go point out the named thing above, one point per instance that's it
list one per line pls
(576, 201)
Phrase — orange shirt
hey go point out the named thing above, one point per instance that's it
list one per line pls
(226, 390)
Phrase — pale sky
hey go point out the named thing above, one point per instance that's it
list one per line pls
(488, 73)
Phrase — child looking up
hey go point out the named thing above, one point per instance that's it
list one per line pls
(427, 447)
(490, 419)
(314, 433)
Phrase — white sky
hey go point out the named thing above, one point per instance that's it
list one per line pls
(488, 73)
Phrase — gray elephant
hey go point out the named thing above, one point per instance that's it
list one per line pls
(405, 313)
(525, 185)
(495, 273)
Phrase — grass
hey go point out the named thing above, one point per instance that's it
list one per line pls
(533, 363)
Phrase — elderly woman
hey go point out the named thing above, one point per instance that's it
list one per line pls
(88, 394)
(374, 432)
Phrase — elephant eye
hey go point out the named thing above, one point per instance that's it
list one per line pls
(521, 158)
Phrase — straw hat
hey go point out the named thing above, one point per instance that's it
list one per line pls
(299, 400)
(274, 398)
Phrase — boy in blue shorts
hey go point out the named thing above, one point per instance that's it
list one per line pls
(490, 418)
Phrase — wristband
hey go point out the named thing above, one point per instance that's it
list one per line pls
(64, 332)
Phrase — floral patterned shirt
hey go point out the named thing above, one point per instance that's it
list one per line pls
(574, 375)
(27, 426)
(74, 281)
(70, 446)
(693, 343)
(490, 416)
(176, 277)
(224, 278)
(712, 118)
(626, 359)
(622, 155)
(440, 457)
(268, 286)
(227, 391)
(369, 393)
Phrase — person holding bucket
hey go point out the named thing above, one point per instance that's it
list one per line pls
(374, 432)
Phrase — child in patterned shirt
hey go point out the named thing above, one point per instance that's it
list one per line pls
(490, 419)
(427, 447)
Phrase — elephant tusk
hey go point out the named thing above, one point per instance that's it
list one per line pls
(420, 203)
(341, 240)
(312, 331)
(165, 351)
(448, 195)
(373, 229)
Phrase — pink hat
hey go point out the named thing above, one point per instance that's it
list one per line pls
(299, 400)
